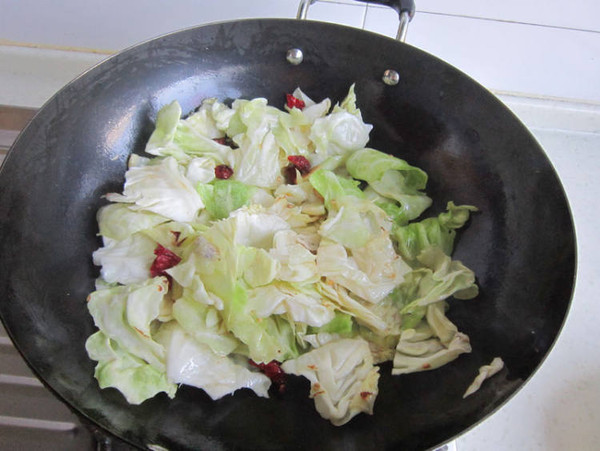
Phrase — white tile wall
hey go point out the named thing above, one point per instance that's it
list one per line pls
(116, 24)
(507, 56)
(538, 47)
(578, 14)
(348, 13)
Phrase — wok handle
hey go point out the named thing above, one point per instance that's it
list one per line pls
(404, 8)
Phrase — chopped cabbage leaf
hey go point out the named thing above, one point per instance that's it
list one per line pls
(296, 262)
(200, 170)
(438, 279)
(440, 231)
(124, 314)
(338, 134)
(291, 132)
(342, 376)
(433, 343)
(203, 120)
(126, 261)
(333, 187)
(355, 223)
(371, 165)
(189, 138)
(164, 131)
(379, 261)
(319, 339)
(195, 364)
(204, 323)
(255, 227)
(161, 189)
(391, 178)
(283, 298)
(222, 115)
(341, 324)
(257, 265)
(119, 221)
(256, 160)
(353, 220)
(224, 196)
(175, 236)
(312, 110)
(185, 275)
(439, 323)
(383, 344)
(189, 143)
(414, 356)
(220, 265)
(349, 104)
(334, 263)
(485, 372)
(132, 376)
(345, 303)
(267, 339)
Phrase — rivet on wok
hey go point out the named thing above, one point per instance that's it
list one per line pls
(391, 77)
(295, 56)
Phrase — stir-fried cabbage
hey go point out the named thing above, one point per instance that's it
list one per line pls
(485, 372)
(254, 241)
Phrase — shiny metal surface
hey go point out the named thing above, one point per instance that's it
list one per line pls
(303, 9)
(403, 26)
(295, 56)
(391, 77)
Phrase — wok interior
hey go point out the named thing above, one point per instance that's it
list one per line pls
(520, 244)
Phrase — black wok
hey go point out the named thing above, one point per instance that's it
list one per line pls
(521, 245)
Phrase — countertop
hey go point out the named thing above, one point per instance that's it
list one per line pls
(541, 60)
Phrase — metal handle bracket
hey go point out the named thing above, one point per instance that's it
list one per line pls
(303, 9)
(404, 8)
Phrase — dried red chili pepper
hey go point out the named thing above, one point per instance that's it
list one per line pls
(223, 171)
(226, 141)
(294, 102)
(274, 372)
(289, 172)
(164, 260)
(365, 394)
(301, 163)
